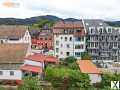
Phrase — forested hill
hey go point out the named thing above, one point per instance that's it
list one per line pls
(37, 19)
(32, 20)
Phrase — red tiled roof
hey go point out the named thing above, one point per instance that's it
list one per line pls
(31, 68)
(42, 58)
(86, 66)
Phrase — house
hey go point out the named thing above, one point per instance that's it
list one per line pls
(42, 38)
(11, 58)
(14, 34)
(35, 64)
(44, 41)
(86, 66)
(102, 40)
(69, 39)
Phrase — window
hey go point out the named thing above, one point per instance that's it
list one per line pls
(11, 73)
(41, 38)
(78, 54)
(101, 30)
(78, 39)
(50, 38)
(1, 73)
(61, 45)
(61, 38)
(91, 30)
(68, 53)
(79, 46)
(65, 38)
(61, 53)
(57, 50)
(57, 42)
(1, 41)
(68, 46)
(45, 38)
(78, 31)
(109, 30)
(70, 38)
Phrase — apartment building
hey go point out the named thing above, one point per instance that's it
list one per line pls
(69, 39)
(102, 40)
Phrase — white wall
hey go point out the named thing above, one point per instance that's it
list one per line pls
(30, 62)
(6, 75)
(95, 78)
(64, 49)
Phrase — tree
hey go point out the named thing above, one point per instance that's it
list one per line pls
(30, 83)
(69, 60)
(66, 78)
(86, 56)
(42, 23)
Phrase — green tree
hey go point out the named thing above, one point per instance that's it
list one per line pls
(86, 56)
(30, 83)
(69, 60)
(44, 22)
(66, 78)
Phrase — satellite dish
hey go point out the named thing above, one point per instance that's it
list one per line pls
(9, 3)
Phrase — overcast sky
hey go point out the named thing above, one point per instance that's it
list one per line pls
(102, 9)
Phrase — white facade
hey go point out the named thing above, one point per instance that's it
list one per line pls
(95, 78)
(10, 75)
(68, 45)
(34, 63)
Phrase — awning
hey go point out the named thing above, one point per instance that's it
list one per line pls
(31, 68)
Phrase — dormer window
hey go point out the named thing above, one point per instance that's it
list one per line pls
(92, 30)
(109, 30)
(100, 30)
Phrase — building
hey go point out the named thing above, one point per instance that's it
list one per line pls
(69, 39)
(102, 40)
(86, 66)
(43, 39)
(14, 34)
(11, 58)
(35, 64)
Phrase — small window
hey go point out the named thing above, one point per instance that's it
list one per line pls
(1, 41)
(50, 38)
(45, 38)
(57, 42)
(70, 38)
(65, 38)
(57, 50)
(109, 30)
(11, 73)
(78, 31)
(68, 46)
(68, 53)
(61, 53)
(41, 38)
(1, 73)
